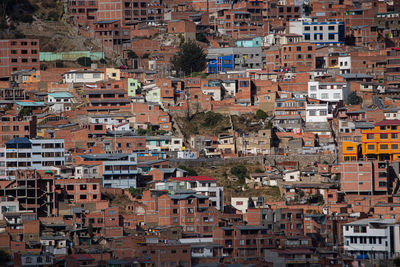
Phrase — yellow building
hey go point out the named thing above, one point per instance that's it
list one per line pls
(382, 142)
(349, 150)
(113, 74)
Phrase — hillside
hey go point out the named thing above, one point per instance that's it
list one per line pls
(43, 20)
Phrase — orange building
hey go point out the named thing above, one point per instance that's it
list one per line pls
(382, 142)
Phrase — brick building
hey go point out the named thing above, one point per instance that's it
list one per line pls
(18, 54)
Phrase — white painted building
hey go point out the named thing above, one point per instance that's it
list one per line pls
(328, 92)
(83, 76)
(39, 154)
(242, 203)
(345, 64)
(230, 87)
(60, 101)
(392, 113)
(317, 112)
(372, 239)
(291, 176)
(201, 184)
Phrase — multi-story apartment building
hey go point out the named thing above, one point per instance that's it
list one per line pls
(34, 190)
(82, 12)
(111, 34)
(297, 54)
(283, 220)
(319, 32)
(318, 112)
(201, 184)
(185, 208)
(129, 11)
(328, 92)
(245, 242)
(18, 54)
(38, 154)
(79, 190)
(118, 170)
(260, 143)
(14, 126)
(366, 177)
(234, 58)
(373, 239)
(382, 142)
(392, 72)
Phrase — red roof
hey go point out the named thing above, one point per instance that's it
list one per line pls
(388, 122)
(195, 179)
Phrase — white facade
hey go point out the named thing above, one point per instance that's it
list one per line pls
(230, 87)
(39, 154)
(393, 114)
(375, 238)
(205, 187)
(60, 102)
(318, 32)
(317, 113)
(345, 64)
(291, 176)
(83, 76)
(215, 93)
(329, 92)
(242, 203)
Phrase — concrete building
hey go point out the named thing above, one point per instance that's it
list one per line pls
(374, 239)
(118, 170)
(318, 112)
(37, 154)
(61, 101)
(328, 92)
(366, 177)
(234, 58)
(324, 32)
(83, 76)
(206, 186)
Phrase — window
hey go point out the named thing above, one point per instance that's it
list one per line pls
(395, 146)
(383, 136)
(393, 136)
(393, 127)
(384, 146)
(82, 197)
(371, 147)
(382, 184)
(370, 136)
(324, 96)
(349, 148)
(331, 28)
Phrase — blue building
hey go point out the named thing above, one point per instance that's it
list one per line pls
(221, 64)
(249, 42)
(319, 32)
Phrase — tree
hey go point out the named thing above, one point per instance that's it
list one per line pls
(190, 58)
(240, 171)
(190, 171)
(354, 99)
(4, 257)
(201, 37)
(84, 61)
(90, 230)
(261, 115)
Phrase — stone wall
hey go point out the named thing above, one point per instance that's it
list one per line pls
(268, 159)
